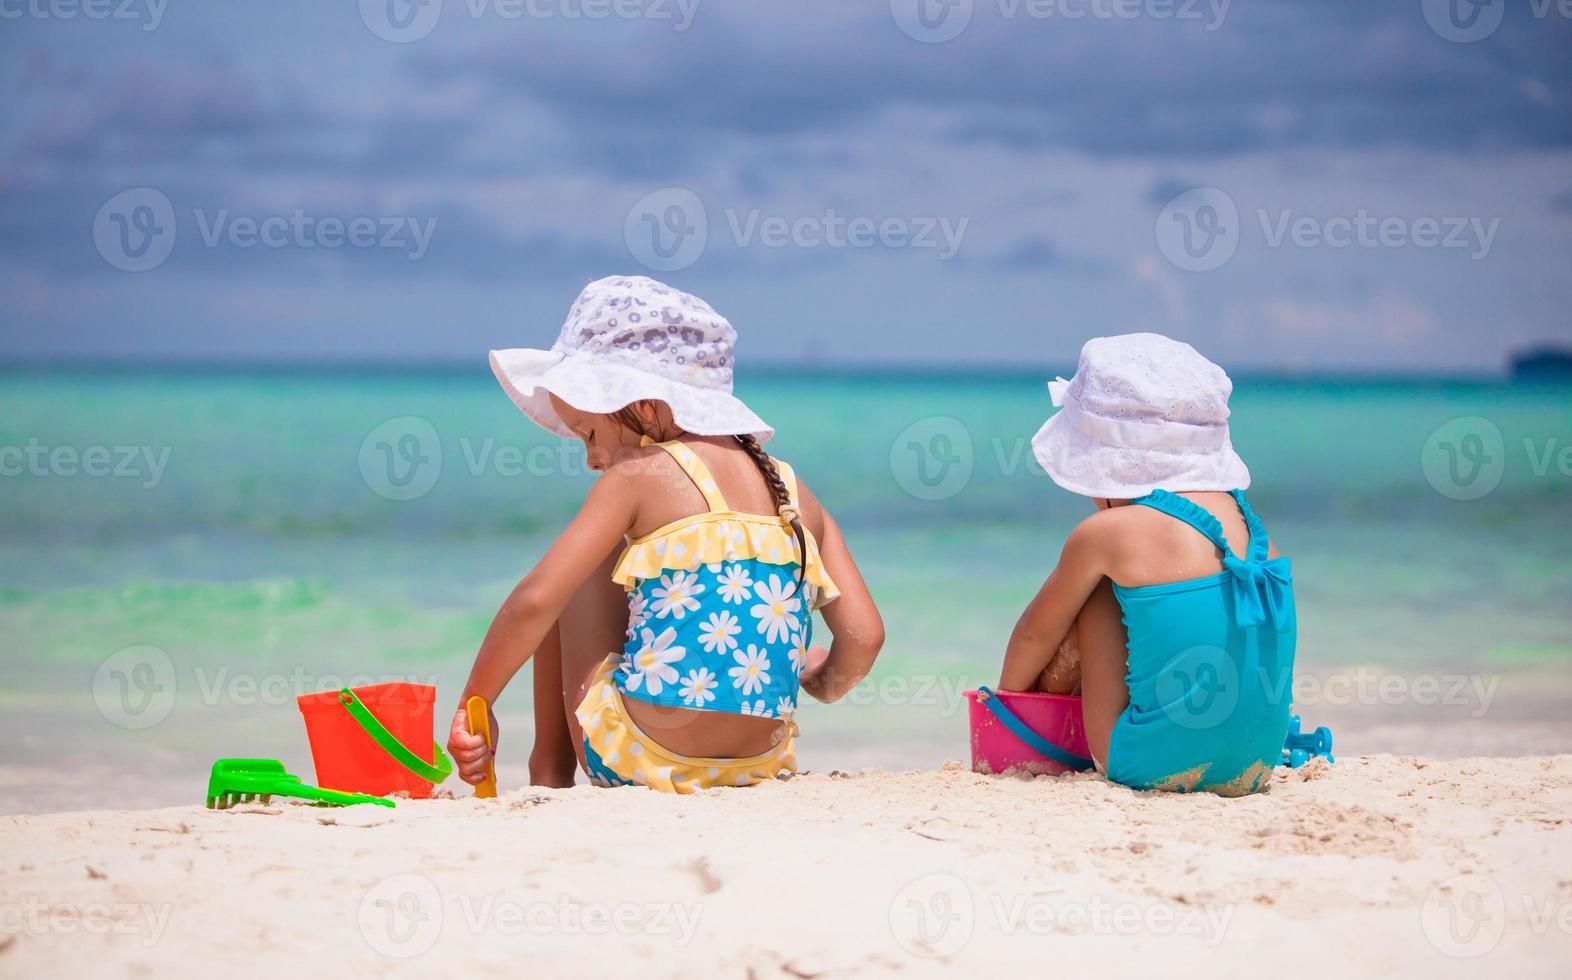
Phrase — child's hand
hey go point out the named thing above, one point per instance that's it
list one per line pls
(1063, 673)
(469, 752)
(814, 677)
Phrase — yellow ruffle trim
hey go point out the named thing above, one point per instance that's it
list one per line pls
(705, 539)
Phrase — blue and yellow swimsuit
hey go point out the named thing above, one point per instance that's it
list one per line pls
(715, 623)
(1211, 665)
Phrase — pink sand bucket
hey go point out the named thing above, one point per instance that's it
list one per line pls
(1040, 733)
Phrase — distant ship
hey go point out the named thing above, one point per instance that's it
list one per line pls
(1542, 364)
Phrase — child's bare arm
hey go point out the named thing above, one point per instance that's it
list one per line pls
(853, 619)
(535, 603)
(1051, 613)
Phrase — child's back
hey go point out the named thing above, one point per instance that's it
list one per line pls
(1169, 607)
(1210, 633)
(720, 596)
(670, 623)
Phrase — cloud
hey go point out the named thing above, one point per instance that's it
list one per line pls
(1165, 190)
(1273, 76)
(527, 141)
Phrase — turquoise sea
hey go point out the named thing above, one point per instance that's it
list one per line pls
(184, 551)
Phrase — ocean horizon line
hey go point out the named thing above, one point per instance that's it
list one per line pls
(769, 369)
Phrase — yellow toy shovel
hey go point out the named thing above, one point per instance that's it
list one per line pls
(480, 724)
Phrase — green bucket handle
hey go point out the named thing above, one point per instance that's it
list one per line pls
(392, 746)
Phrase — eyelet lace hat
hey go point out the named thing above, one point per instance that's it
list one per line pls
(1142, 413)
(629, 338)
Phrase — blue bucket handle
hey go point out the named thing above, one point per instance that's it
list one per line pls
(1020, 730)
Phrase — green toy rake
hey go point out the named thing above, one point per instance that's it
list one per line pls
(245, 780)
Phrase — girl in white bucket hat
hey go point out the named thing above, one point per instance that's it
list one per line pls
(670, 623)
(1169, 609)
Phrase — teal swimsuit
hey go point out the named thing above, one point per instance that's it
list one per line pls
(1211, 664)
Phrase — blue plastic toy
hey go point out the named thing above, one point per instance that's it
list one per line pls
(1301, 747)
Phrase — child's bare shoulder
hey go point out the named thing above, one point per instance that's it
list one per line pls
(1116, 533)
(638, 467)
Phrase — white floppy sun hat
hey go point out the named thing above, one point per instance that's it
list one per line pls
(1142, 413)
(628, 338)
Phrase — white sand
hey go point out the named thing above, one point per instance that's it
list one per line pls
(1373, 867)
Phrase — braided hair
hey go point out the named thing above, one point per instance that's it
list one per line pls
(781, 496)
(628, 416)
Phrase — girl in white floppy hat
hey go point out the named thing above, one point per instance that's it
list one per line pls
(1169, 609)
(670, 623)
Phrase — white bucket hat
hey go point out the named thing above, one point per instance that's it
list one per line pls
(629, 338)
(1142, 413)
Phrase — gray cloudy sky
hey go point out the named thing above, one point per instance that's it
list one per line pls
(898, 181)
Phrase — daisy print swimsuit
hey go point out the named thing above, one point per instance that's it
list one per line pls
(715, 619)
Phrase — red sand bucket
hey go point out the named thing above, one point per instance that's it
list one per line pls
(361, 739)
(1040, 733)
